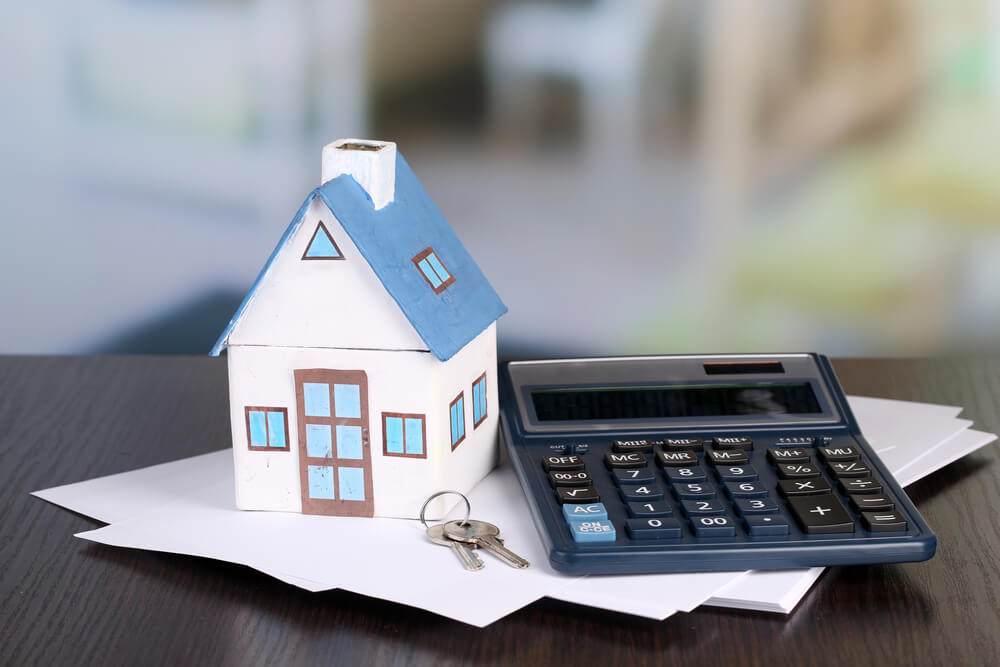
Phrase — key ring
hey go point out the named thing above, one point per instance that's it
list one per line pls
(468, 506)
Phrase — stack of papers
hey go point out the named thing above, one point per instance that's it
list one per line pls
(187, 507)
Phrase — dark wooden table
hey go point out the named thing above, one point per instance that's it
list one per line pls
(68, 601)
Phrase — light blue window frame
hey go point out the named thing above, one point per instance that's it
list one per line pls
(479, 401)
(456, 412)
(404, 435)
(433, 271)
(267, 428)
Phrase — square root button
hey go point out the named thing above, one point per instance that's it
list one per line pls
(592, 531)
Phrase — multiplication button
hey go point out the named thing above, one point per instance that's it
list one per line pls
(803, 487)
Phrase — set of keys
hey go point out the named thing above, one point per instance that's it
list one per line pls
(466, 536)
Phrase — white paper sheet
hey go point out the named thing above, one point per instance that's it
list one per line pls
(186, 507)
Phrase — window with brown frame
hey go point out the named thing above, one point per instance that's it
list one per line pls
(479, 401)
(404, 435)
(321, 245)
(456, 410)
(267, 428)
(433, 270)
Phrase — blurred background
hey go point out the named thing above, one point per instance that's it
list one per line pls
(632, 176)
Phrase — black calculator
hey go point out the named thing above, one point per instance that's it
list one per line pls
(699, 463)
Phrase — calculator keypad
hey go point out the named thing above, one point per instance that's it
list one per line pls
(717, 492)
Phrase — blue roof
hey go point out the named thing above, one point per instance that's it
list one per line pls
(389, 239)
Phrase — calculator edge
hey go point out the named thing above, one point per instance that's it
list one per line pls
(916, 549)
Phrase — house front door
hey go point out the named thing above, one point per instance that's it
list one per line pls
(335, 464)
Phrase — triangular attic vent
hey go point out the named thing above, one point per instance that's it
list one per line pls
(322, 246)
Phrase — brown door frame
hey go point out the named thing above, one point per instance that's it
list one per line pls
(335, 507)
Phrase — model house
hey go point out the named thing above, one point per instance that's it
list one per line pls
(362, 363)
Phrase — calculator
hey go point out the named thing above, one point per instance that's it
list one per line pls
(700, 463)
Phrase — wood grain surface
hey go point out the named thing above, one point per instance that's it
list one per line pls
(65, 601)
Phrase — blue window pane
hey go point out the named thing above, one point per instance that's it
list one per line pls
(322, 245)
(454, 428)
(276, 429)
(458, 420)
(317, 398)
(352, 483)
(394, 435)
(475, 402)
(479, 401)
(321, 482)
(347, 400)
(414, 435)
(318, 441)
(258, 429)
(425, 267)
(348, 442)
(436, 265)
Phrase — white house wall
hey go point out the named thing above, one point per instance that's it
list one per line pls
(324, 303)
(475, 456)
(406, 382)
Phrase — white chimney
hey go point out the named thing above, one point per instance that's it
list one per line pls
(371, 163)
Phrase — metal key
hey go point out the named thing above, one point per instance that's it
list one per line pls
(484, 535)
(465, 552)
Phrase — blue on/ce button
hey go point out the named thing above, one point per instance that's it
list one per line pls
(592, 531)
(587, 512)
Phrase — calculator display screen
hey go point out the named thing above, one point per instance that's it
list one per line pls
(677, 401)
